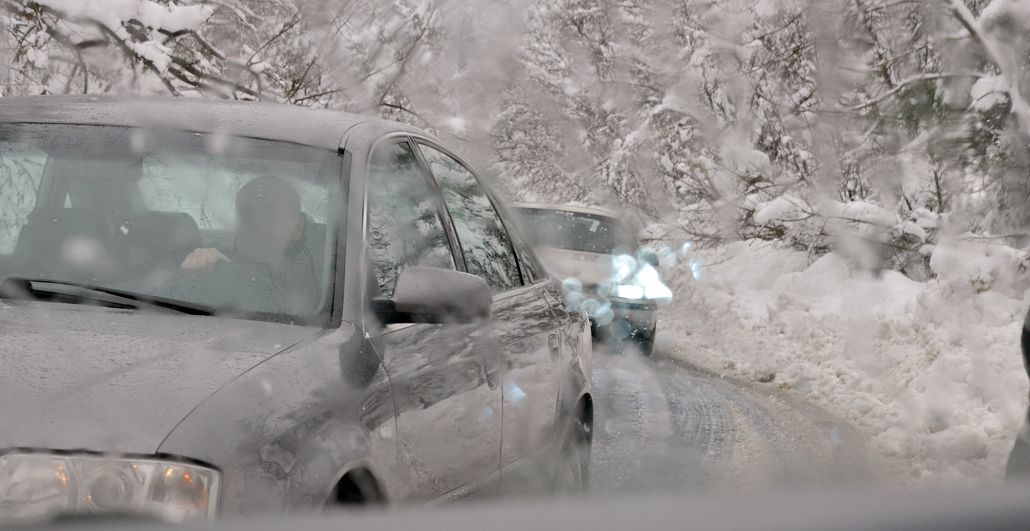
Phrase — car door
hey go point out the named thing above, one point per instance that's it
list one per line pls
(448, 403)
(523, 322)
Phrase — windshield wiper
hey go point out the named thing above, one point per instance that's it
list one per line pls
(30, 288)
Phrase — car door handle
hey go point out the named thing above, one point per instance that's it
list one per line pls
(554, 345)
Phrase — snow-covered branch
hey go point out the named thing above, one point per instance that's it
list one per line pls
(1004, 58)
(906, 83)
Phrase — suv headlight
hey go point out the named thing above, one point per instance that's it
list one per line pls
(644, 284)
(628, 291)
(36, 486)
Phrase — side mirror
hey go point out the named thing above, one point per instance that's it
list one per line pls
(433, 295)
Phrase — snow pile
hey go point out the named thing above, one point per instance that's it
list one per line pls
(931, 370)
(783, 207)
(845, 220)
(990, 92)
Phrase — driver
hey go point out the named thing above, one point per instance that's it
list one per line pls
(269, 234)
(268, 222)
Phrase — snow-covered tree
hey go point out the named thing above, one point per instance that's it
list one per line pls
(867, 126)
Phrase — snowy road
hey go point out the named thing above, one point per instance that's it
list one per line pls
(661, 424)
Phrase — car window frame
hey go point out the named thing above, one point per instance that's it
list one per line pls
(528, 255)
(332, 314)
(452, 240)
(420, 140)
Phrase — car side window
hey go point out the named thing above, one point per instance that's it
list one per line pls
(21, 170)
(484, 239)
(404, 227)
(531, 267)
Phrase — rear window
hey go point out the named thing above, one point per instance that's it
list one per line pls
(575, 231)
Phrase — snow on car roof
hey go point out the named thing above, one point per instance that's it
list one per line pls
(302, 125)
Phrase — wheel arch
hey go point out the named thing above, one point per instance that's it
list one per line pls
(356, 485)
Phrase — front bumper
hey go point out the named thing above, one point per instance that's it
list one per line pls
(631, 318)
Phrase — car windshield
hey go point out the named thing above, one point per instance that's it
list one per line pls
(236, 225)
(576, 231)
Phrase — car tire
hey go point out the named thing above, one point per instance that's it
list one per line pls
(646, 345)
(572, 475)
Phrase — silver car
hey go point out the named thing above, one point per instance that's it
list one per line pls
(223, 307)
(605, 272)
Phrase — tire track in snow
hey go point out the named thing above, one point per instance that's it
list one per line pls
(633, 425)
(663, 424)
(701, 421)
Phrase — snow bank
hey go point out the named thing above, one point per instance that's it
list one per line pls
(930, 370)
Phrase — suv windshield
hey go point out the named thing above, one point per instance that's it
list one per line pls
(238, 225)
(576, 231)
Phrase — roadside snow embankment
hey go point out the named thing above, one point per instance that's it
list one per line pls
(930, 370)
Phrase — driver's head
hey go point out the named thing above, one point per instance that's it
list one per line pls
(268, 220)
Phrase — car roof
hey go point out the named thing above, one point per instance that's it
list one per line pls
(596, 211)
(291, 123)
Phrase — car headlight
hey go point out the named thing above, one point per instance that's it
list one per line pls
(36, 486)
(628, 291)
(646, 284)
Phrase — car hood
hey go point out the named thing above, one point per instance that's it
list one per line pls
(83, 377)
(589, 268)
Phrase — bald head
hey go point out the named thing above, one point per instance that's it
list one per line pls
(268, 219)
(268, 191)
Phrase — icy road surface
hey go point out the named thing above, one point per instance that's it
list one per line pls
(664, 425)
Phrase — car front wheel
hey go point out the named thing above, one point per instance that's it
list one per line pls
(573, 472)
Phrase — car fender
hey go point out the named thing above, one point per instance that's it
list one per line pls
(283, 433)
(323, 461)
(576, 382)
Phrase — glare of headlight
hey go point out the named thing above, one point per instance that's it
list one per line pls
(623, 265)
(629, 291)
(590, 307)
(686, 248)
(514, 393)
(651, 284)
(667, 256)
(604, 314)
(574, 300)
(695, 269)
(572, 285)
